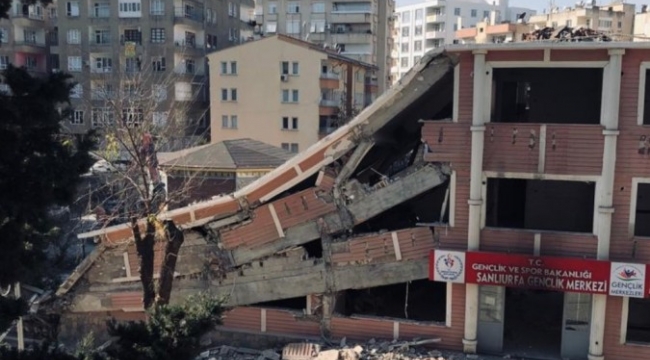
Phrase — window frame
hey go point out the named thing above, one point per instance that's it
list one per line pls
(645, 65)
(77, 120)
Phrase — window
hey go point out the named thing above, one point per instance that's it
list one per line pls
(224, 94)
(620, 24)
(72, 8)
(133, 35)
(638, 322)
(588, 23)
(74, 36)
(419, 14)
(550, 205)
(129, 9)
(569, 23)
(284, 68)
(529, 95)
(418, 30)
(292, 147)
(158, 63)
(225, 123)
(160, 118)
(229, 122)
(103, 64)
(101, 10)
(233, 68)
(405, 47)
(271, 27)
(157, 7)
(77, 117)
(406, 31)
(232, 9)
(102, 117)
(293, 7)
(416, 59)
(295, 68)
(132, 116)
(130, 91)
(233, 121)
(473, 13)
(273, 7)
(317, 26)
(233, 94)
(486, 14)
(417, 45)
(290, 96)
(211, 41)
(183, 91)
(158, 35)
(232, 34)
(605, 24)
(289, 123)
(318, 7)
(29, 36)
(190, 66)
(77, 91)
(406, 16)
(404, 62)
(293, 26)
(30, 62)
(224, 68)
(4, 62)
(294, 95)
(457, 11)
(159, 93)
(642, 211)
(4, 35)
(74, 63)
(102, 37)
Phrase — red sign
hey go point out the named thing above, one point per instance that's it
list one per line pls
(538, 272)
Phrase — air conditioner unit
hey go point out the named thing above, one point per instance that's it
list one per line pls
(284, 77)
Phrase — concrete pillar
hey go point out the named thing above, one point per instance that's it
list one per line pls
(609, 119)
(475, 195)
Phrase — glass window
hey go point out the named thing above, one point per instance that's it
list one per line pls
(457, 11)
(406, 16)
(318, 7)
(474, 13)
(406, 31)
(419, 14)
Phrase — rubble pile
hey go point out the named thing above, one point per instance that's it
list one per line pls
(372, 350)
(566, 34)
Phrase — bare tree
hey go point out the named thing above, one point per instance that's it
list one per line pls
(140, 110)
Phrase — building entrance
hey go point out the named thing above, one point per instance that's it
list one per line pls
(534, 324)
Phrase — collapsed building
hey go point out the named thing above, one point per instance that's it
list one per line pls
(516, 152)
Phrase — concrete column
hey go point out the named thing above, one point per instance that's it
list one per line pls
(475, 195)
(609, 119)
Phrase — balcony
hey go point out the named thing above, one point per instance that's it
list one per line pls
(371, 85)
(352, 37)
(329, 81)
(186, 15)
(435, 34)
(27, 19)
(466, 33)
(434, 18)
(188, 47)
(30, 46)
(349, 17)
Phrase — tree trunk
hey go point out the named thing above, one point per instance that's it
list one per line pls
(145, 248)
(175, 239)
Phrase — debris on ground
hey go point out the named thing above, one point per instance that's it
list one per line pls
(566, 33)
(417, 349)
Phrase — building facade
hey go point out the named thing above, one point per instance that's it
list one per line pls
(422, 25)
(26, 36)
(358, 29)
(297, 95)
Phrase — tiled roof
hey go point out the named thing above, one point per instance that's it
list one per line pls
(228, 154)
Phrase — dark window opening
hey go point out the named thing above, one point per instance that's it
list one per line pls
(547, 95)
(429, 208)
(642, 218)
(540, 204)
(298, 303)
(646, 99)
(423, 301)
(314, 249)
(638, 321)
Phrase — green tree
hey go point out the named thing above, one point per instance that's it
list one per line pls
(39, 169)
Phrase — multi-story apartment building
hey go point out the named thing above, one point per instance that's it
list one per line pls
(295, 94)
(25, 37)
(617, 21)
(358, 29)
(422, 25)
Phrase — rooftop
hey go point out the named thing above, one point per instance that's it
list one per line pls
(228, 154)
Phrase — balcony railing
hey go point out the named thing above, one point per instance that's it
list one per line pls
(100, 13)
(32, 16)
(191, 14)
(329, 75)
(329, 103)
(30, 43)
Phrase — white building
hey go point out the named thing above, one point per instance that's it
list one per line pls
(422, 25)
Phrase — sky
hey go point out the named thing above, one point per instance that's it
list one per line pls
(539, 5)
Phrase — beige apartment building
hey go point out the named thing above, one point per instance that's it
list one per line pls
(25, 38)
(358, 29)
(285, 92)
(617, 20)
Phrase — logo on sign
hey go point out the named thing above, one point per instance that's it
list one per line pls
(627, 280)
(449, 266)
